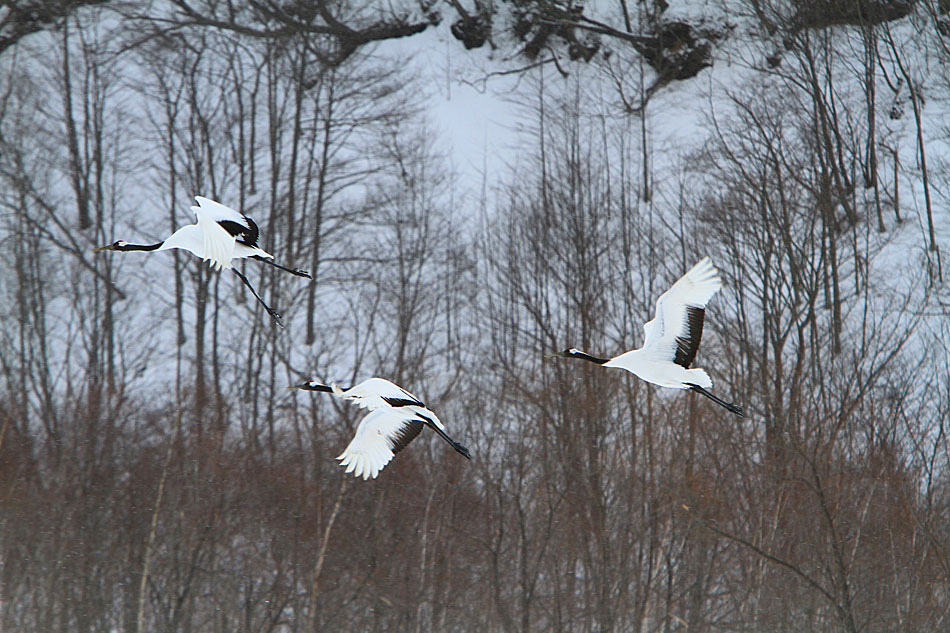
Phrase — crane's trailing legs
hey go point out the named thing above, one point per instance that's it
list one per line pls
(292, 271)
(269, 309)
(445, 436)
(734, 408)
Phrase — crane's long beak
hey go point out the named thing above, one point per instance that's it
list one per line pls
(554, 355)
(302, 385)
(107, 247)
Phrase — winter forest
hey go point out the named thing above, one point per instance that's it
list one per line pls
(156, 474)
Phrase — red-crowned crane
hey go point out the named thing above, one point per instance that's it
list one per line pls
(396, 417)
(220, 236)
(671, 338)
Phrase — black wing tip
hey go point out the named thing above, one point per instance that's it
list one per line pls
(247, 235)
(687, 346)
(406, 402)
(408, 433)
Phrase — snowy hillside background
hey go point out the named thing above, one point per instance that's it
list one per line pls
(474, 185)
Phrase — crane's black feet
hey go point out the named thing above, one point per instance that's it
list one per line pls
(292, 271)
(461, 449)
(275, 316)
(732, 408)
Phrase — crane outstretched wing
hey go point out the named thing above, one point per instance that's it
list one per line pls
(218, 212)
(235, 223)
(217, 242)
(390, 394)
(677, 327)
(379, 436)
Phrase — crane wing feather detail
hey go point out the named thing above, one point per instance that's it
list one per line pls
(403, 402)
(247, 235)
(218, 212)
(375, 393)
(225, 227)
(675, 331)
(217, 242)
(379, 436)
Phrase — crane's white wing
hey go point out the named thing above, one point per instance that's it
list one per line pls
(218, 212)
(187, 238)
(379, 436)
(377, 393)
(677, 327)
(244, 230)
(217, 243)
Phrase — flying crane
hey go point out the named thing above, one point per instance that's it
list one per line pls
(671, 337)
(220, 236)
(396, 417)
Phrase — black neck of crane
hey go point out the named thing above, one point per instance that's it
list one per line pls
(138, 247)
(315, 387)
(586, 356)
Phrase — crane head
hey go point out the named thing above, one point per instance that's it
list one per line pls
(118, 245)
(311, 385)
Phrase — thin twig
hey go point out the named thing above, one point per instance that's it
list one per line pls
(150, 542)
(321, 555)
